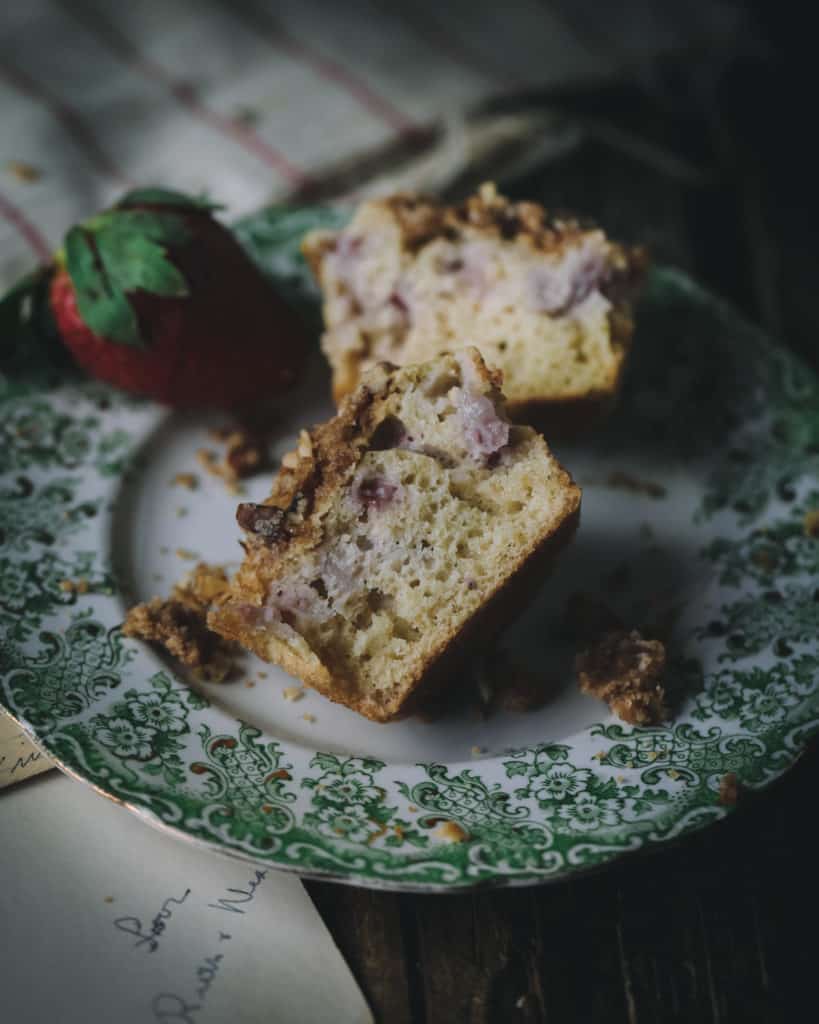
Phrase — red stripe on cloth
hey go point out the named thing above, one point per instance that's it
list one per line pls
(186, 97)
(76, 127)
(273, 32)
(25, 229)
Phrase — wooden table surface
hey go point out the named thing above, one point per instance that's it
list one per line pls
(717, 928)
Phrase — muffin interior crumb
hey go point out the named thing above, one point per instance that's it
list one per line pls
(443, 500)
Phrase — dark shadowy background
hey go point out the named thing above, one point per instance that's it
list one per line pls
(719, 928)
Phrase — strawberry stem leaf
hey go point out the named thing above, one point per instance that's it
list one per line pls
(102, 304)
(136, 263)
(164, 227)
(120, 252)
(131, 245)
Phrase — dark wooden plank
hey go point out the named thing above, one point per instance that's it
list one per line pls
(661, 948)
(368, 929)
(497, 956)
(453, 978)
(578, 953)
(773, 843)
(687, 923)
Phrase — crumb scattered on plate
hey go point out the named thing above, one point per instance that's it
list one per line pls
(80, 586)
(177, 623)
(450, 832)
(189, 480)
(308, 717)
(185, 553)
(246, 452)
(729, 790)
(293, 693)
(626, 671)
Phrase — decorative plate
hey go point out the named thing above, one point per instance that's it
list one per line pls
(716, 440)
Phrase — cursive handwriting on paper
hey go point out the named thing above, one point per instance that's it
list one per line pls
(19, 759)
(171, 1008)
(133, 925)
(25, 762)
(168, 1006)
(237, 897)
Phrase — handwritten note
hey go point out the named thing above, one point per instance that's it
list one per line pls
(133, 925)
(19, 758)
(104, 918)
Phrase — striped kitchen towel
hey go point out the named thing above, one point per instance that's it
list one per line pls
(258, 100)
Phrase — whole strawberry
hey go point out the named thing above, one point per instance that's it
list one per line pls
(157, 297)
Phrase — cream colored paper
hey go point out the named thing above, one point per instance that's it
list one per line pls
(19, 758)
(104, 918)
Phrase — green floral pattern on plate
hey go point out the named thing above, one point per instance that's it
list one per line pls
(743, 414)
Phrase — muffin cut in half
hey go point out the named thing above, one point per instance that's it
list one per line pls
(545, 299)
(395, 531)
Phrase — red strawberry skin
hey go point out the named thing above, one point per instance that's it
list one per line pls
(230, 342)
